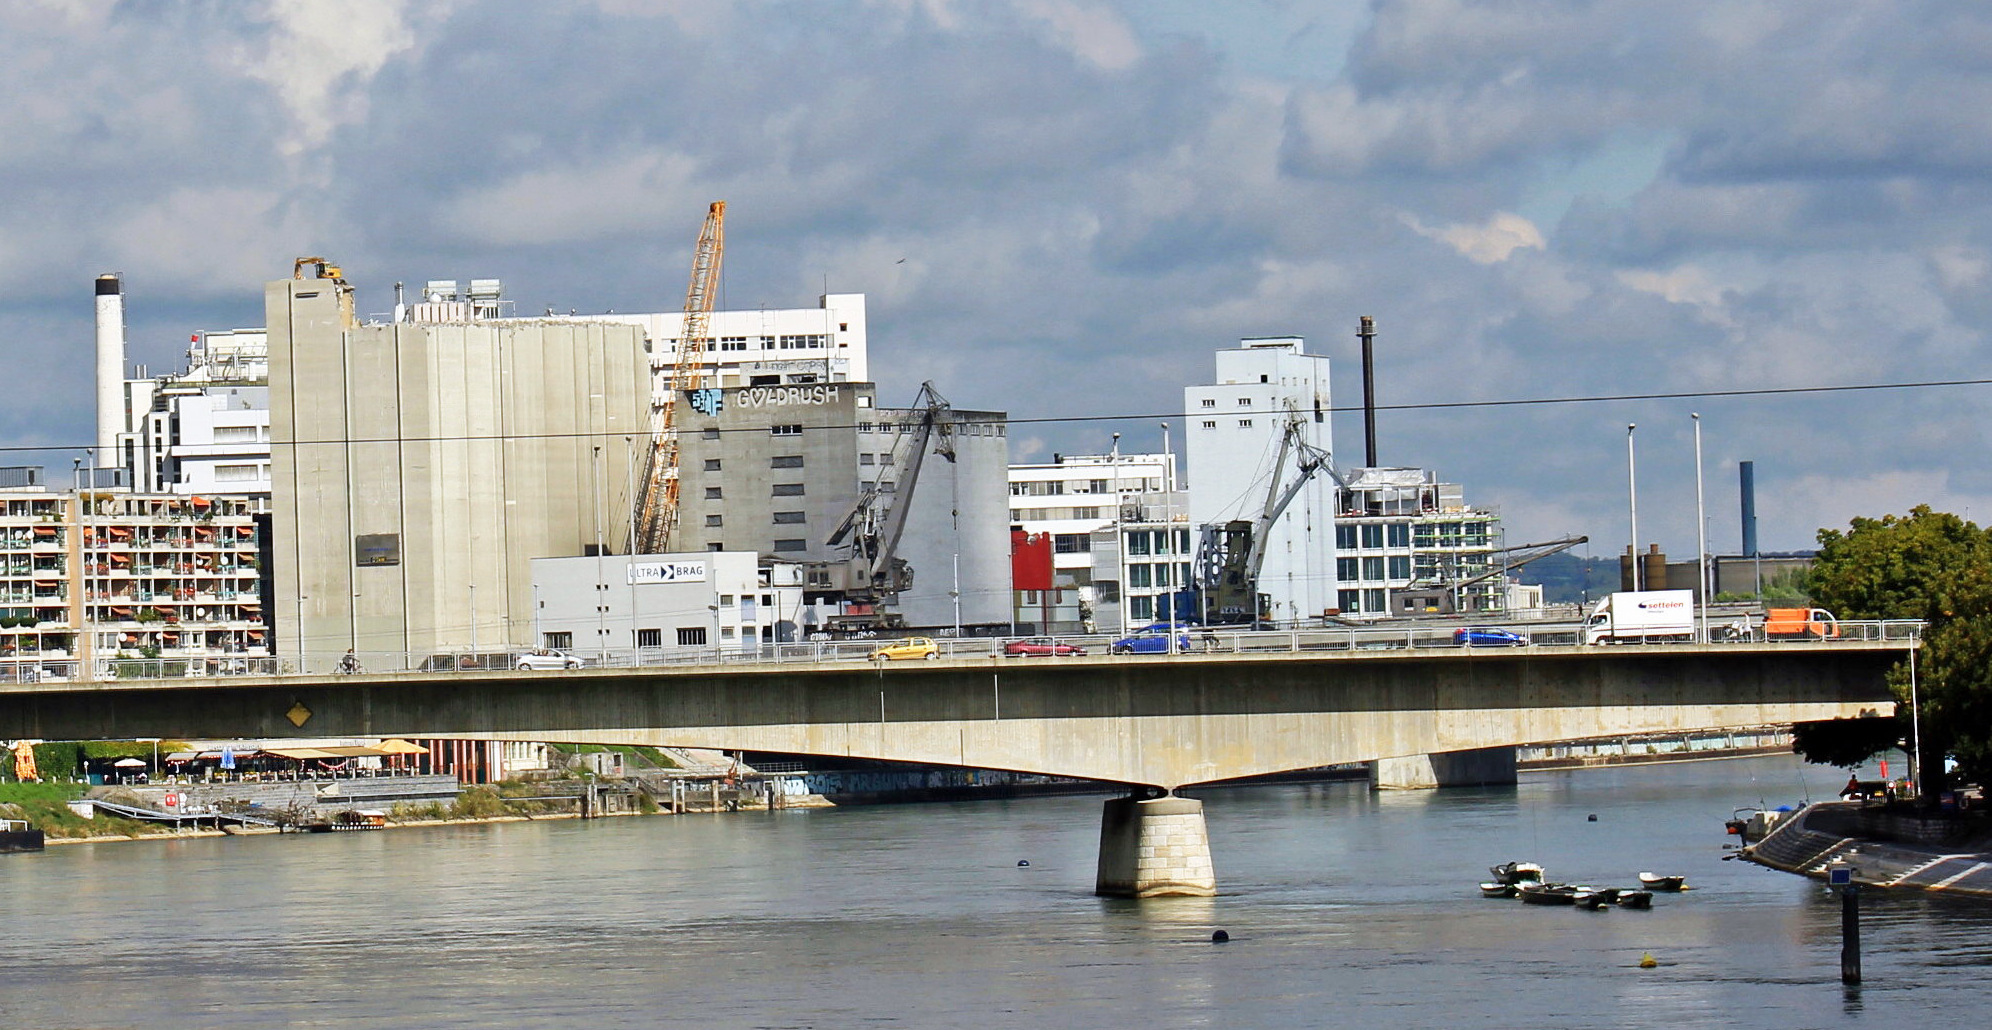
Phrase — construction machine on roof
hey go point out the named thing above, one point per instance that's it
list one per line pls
(873, 575)
(657, 502)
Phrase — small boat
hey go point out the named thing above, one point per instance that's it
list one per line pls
(1653, 882)
(1634, 899)
(1593, 898)
(1539, 893)
(1754, 824)
(1497, 890)
(1516, 872)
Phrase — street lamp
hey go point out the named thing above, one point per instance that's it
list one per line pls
(1120, 538)
(1169, 531)
(154, 741)
(1701, 533)
(1632, 501)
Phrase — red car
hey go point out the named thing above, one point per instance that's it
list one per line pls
(1030, 646)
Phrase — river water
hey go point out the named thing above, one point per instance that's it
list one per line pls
(1345, 908)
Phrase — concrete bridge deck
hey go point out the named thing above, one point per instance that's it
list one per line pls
(1162, 721)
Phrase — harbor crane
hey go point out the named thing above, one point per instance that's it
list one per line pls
(657, 501)
(875, 574)
(1230, 555)
(1442, 596)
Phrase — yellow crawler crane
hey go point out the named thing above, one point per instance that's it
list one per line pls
(657, 504)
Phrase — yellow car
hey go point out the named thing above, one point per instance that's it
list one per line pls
(911, 647)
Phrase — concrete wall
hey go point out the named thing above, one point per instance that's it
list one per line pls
(1142, 720)
(474, 447)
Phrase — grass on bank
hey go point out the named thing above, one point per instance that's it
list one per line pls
(45, 807)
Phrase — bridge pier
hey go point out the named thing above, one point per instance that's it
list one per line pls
(1151, 847)
(1491, 766)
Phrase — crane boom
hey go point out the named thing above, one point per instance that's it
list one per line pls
(878, 519)
(1231, 555)
(657, 504)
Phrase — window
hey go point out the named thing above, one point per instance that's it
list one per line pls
(1141, 608)
(1071, 543)
(785, 461)
(1427, 536)
(1349, 600)
(1244, 402)
(709, 433)
(791, 545)
(1373, 600)
(1345, 569)
(1162, 575)
(1373, 568)
(1140, 575)
(1345, 537)
(1137, 542)
(690, 636)
(650, 638)
(712, 464)
(1182, 541)
(1372, 535)
(235, 473)
(559, 640)
(1244, 423)
(729, 343)
(712, 493)
(866, 459)
(715, 546)
(1210, 423)
(1085, 513)
(235, 434)
(787, 490)
(786, 518)
(1210, 402)
(1400, 566)
(713, 520)
(787, 430)
(1400, 534)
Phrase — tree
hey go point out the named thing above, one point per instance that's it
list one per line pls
(1935, 567)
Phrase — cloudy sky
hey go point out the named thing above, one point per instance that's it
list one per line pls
(1062, 207)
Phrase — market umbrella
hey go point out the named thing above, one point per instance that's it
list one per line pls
(130, 763)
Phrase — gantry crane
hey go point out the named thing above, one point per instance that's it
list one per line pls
(657, 503)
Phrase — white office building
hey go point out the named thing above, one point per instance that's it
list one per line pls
(205, 430)
(651, 606)
(1232, 441)
(824, 344)
(1072, 498)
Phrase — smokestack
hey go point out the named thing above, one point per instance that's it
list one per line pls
(110, 368)
(1367, 334)
(1747, 472)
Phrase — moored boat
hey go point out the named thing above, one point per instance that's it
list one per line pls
(1497, 890)
(352, 819)
(1634, 899)
(1516, 872)
(1593, 898)
(17, 835)
(1654, 882)
(1539, 893)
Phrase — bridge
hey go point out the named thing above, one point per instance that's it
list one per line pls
(1156, 723)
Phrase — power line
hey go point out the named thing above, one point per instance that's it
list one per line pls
(1768, 391)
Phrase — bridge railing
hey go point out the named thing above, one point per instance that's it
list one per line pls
(1201, 641)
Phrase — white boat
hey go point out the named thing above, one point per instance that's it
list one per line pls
(1655, 882)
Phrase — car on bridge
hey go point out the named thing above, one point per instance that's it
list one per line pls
(1488, 636)
(1151, 640)
(900, 650)
(545, 658)
(1035, 646)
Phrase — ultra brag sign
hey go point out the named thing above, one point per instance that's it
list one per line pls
(667, 572)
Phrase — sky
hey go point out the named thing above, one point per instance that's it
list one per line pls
(1061, 208)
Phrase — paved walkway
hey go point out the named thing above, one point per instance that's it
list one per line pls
(1813, 838)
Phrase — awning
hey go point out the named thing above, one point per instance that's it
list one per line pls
(297, 752)
(120, 559)
(129, 763)
(44, 530)
(245, 530)
(397, 746)
(201, 502)
(120, 532)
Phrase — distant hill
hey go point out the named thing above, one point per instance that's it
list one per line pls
(1569, 579)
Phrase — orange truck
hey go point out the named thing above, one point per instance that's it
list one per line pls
(1800, 623)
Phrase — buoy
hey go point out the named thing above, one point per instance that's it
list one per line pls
(1219, 937)
(1022, 862)
(1646, 961)
(1592, 818)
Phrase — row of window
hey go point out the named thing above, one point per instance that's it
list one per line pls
(1372, 535)
(1052, 514)
(714, 493)
(1156, 541)
(1369, 600)
(799, 341)
(779, 545)
(1349, 570)
(1158, 575)
(782, 518)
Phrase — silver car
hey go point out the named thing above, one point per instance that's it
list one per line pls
(545, 658)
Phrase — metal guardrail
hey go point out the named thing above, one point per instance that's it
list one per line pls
(1202, 641)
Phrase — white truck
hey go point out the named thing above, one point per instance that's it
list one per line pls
(1631, 616)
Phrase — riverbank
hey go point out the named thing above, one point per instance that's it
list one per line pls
(1883, 845)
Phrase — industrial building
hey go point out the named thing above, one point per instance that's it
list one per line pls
(418, 468)
(95, 574)
(1235, 436)
(204, 430)
(1407, 544)
(825, 343)
(649, 607)
(1078, 503)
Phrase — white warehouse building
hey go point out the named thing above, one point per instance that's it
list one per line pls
(647, 606)
(1232, 439)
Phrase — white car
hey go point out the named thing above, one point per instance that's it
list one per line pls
(546, 658)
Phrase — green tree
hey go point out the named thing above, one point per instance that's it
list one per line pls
(1936, 567)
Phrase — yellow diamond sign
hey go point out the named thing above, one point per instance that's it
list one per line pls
(298, 714)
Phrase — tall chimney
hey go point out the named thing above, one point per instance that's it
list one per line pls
(1367, 334)
(110, 369)
(1747, 473)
